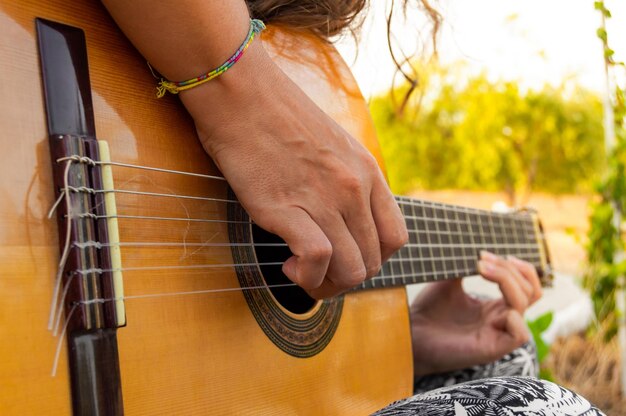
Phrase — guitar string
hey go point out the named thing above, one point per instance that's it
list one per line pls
(98, 245)
(57, 354)
(66, 246)
(67, 320)
(527, 256)
(97, 270)
(450, 233)
(502, 227)
(410, 202)
(59, 311)
(433, 275)
(148, 217)
(65, 194)
(441, 258)
(495, 234)
(400, 199)
(91, 162)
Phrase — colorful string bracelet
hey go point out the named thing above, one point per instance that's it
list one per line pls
(256, 26)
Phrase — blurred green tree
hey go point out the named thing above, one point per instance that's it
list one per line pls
(473, 133)
(605, 247)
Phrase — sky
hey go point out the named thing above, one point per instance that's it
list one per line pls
(531, 41)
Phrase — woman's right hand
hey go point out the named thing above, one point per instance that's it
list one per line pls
(298, 174)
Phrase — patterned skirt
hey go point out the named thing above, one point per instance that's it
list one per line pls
(506, 387)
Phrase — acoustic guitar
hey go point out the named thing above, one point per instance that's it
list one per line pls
(149, 290)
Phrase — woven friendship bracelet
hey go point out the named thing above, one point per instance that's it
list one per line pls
(256, 26)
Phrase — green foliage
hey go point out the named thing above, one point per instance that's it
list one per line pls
(604, 238)
(473, 133)
(537, 328)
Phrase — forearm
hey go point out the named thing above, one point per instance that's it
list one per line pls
(182, 39)
(295, 170)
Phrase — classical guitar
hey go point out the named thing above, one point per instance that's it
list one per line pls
(149, 291)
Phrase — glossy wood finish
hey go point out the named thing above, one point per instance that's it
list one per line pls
(195, 354)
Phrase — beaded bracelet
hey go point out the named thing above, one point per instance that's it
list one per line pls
(256, 26)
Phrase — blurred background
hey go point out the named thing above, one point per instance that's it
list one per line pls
(518, 104)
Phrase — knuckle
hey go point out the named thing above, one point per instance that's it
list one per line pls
(355, 277)
(373, 269)
(373, 258)
(351, 183)
(370, 162)
(399, 237)
(320, 251)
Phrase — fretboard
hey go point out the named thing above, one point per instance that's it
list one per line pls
(445, 242)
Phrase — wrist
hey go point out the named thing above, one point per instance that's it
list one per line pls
(217, 103)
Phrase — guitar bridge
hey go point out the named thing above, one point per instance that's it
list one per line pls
(91, 266)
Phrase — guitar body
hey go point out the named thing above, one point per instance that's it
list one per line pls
(201, 353)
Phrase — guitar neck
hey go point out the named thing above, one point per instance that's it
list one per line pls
(445, 242)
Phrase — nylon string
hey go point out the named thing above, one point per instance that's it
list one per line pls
(59, 296)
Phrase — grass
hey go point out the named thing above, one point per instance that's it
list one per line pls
(590, 367)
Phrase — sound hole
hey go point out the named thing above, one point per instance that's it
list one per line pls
(292, 298)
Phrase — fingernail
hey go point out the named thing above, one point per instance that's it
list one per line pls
(484, 266)
(513, 259)
(485, 255)
(289, 268)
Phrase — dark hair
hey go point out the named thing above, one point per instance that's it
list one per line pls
(328, 18)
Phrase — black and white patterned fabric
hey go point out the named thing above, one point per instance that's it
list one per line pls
(520, 362)
(496, 396)
(507, 387)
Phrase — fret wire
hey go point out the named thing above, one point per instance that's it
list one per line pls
(506, 231)
(442, 219)
(457, 255)
(413, 263)
(475, 229)
(485, 226)
(423, 252)
(449, 207)
(435, 275)
(430, 248)
(521, 224)
(399, 254)
(531, 236)
(484, 229)
(494, 233)
(468, 210)
(448, 238)
(152, 245)
(407, 247)
(470, 257)
(443, 262)
(524, 217)
(463, 247)
(514, 232)
(449, 233)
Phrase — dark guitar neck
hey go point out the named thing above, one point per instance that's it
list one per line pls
(445, 242)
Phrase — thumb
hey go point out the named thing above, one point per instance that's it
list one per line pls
(512, 332)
